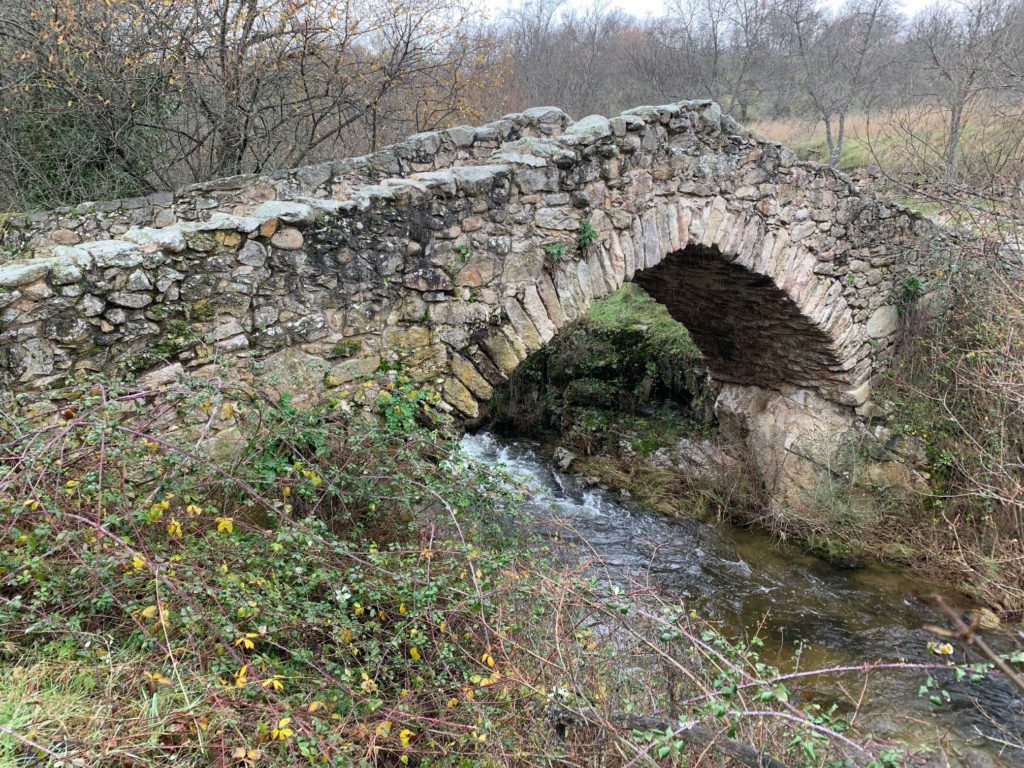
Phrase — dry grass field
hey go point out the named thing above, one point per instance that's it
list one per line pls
(908, 144)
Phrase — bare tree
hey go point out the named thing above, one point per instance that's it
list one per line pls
(719, 48)
(114, 97)
(955, 47)
(79, 85)
(133, 95)
(531, 31)
(560, 56)
(840, 59)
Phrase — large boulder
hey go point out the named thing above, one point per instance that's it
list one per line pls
(789, 439)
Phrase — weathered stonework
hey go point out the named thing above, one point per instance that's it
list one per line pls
(456, 254)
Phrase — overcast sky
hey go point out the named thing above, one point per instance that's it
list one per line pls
(641, 8)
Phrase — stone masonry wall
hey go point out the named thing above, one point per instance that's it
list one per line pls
(26, 235)
(455, 254)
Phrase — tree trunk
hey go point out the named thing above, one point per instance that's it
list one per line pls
(231, 145)
(837, 151)
(829, 141)
(952, 142)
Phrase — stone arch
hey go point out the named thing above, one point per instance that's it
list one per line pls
(750, 295)
(742, 284)
(749, 329)
(778, 337)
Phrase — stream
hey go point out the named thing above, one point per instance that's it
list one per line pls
(744, 580)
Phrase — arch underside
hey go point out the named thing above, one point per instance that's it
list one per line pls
(749, 331)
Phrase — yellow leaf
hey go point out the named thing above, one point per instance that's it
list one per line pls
(273, 682)
(405, 736)
(414, 652)
(225, 524)
(157, 677)
(173, 528)
(246, 642)
(240, 680)
(314, 706)
(192, 510)
(282, 731)
(138, 563)
(149, 612)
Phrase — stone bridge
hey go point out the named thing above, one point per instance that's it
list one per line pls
(458, 253)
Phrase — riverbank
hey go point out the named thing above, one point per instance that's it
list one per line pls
(341, 587)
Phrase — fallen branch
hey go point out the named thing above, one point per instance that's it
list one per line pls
(696, 735)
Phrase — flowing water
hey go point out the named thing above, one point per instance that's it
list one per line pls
(744, 580)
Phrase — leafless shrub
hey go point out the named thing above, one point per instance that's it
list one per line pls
(123, 97)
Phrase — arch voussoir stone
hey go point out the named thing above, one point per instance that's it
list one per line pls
(470, 377)
(524, 328)
(538, 314)
(629, 254)
(548, 295)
